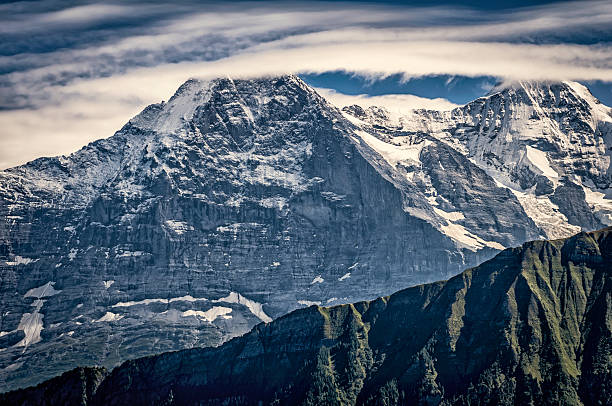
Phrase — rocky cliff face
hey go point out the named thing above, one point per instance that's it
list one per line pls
(531, 326)
(238, 201)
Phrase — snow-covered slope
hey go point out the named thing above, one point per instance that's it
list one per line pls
(549, 144)
(239, 200)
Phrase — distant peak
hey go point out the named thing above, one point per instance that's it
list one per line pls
(189, 86)
(536, 90)
(202, 82)
(178, 111)
(169, 116)
(526, 85)
(539, 85)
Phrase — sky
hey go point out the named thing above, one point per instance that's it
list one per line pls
(73, 72)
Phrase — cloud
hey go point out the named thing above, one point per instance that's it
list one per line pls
(28, 21)
(417, 58)
(398, 104)
(151, 37)
(58, 129)
(69, 75)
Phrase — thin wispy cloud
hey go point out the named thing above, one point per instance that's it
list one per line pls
(66, 18)
(71, 74)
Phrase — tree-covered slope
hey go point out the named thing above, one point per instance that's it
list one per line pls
(531, 326)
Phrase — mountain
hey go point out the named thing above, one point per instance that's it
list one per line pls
(237, 201)
(531, 326)
(549, 143)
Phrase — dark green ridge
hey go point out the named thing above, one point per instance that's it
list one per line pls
(531, 326)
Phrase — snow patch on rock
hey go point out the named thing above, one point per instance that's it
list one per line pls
(45, 290)
(449, 215)
(255, 307)
(539, 160)
(108, 317)
(309, 302)
(345, 276)
(601, 203)
(545, 214)
(209, 315)
(186, 298)
(19, 260)
(124, 254)
(31, 324)
(466, 239)
(393, 153)
(317, 279)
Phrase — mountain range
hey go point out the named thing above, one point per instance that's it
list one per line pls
(240, 200)
(533, 325)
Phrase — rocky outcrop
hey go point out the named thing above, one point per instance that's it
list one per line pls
(530, 326)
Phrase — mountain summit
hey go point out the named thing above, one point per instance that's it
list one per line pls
(530, 326)
(238, 201)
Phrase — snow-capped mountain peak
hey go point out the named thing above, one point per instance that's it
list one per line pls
(179, 110)
(546, 142)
